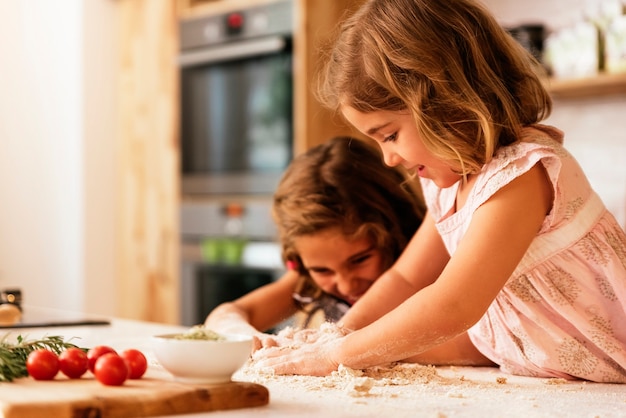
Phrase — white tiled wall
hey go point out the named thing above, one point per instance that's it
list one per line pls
(595, 128)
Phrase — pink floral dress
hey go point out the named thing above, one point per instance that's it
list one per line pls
(563, 311)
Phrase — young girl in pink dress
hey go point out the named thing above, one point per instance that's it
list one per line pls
(517, 263)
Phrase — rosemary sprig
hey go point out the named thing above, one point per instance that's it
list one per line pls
(13, 356)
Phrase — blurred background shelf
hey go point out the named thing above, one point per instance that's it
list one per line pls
(600, 85)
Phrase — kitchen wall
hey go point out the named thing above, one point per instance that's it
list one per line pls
(553, 13)
(57, 153)
(595, 127)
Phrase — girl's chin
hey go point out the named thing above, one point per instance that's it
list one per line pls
(443, 182)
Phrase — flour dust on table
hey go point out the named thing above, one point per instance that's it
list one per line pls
(413, 390)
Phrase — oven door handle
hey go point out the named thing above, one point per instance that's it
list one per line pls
(233, 51)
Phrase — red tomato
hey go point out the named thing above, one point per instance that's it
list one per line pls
(42, 364)
(136, 363)
(96, 352)
(111, 369)
(73, 362)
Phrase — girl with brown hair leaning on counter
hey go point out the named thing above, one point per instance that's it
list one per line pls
(343, 218)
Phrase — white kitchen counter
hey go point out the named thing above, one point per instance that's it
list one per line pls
(403, 391)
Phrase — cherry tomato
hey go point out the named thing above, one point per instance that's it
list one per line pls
(95, 353)
(111, 369)
(136, 363)
(42, 364)
(73, 362)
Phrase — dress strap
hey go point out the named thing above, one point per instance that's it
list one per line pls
(552, 242)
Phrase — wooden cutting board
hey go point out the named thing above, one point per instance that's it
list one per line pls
(146, 397)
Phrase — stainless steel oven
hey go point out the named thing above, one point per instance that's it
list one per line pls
(236, 121)
(236, 99)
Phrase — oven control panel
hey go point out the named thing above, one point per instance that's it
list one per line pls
(253, 22)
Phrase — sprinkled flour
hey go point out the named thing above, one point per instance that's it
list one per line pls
(407, 390)
(356, 383)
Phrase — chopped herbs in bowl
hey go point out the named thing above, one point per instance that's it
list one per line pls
(202, 356)
(199, 332)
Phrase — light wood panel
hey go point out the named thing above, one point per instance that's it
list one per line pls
(148, 158)
(316, 28)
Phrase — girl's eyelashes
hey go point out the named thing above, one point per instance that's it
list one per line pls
(391, 138)
(318, 270)
(356, 261)
(361, 259)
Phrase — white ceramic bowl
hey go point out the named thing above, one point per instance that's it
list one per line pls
(202, 361)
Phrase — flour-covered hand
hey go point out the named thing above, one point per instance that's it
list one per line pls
(314, 359)
(262, 340)
(286, 337)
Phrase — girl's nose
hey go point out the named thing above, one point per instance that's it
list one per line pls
(345, 283)
(391, 158)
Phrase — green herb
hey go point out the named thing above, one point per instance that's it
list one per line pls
(13, 355)
(198, 332)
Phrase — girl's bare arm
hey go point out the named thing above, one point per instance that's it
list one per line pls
(419, 266)
(500, 233)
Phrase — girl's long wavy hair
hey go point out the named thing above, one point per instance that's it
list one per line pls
(468, 84)
(344, 183)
